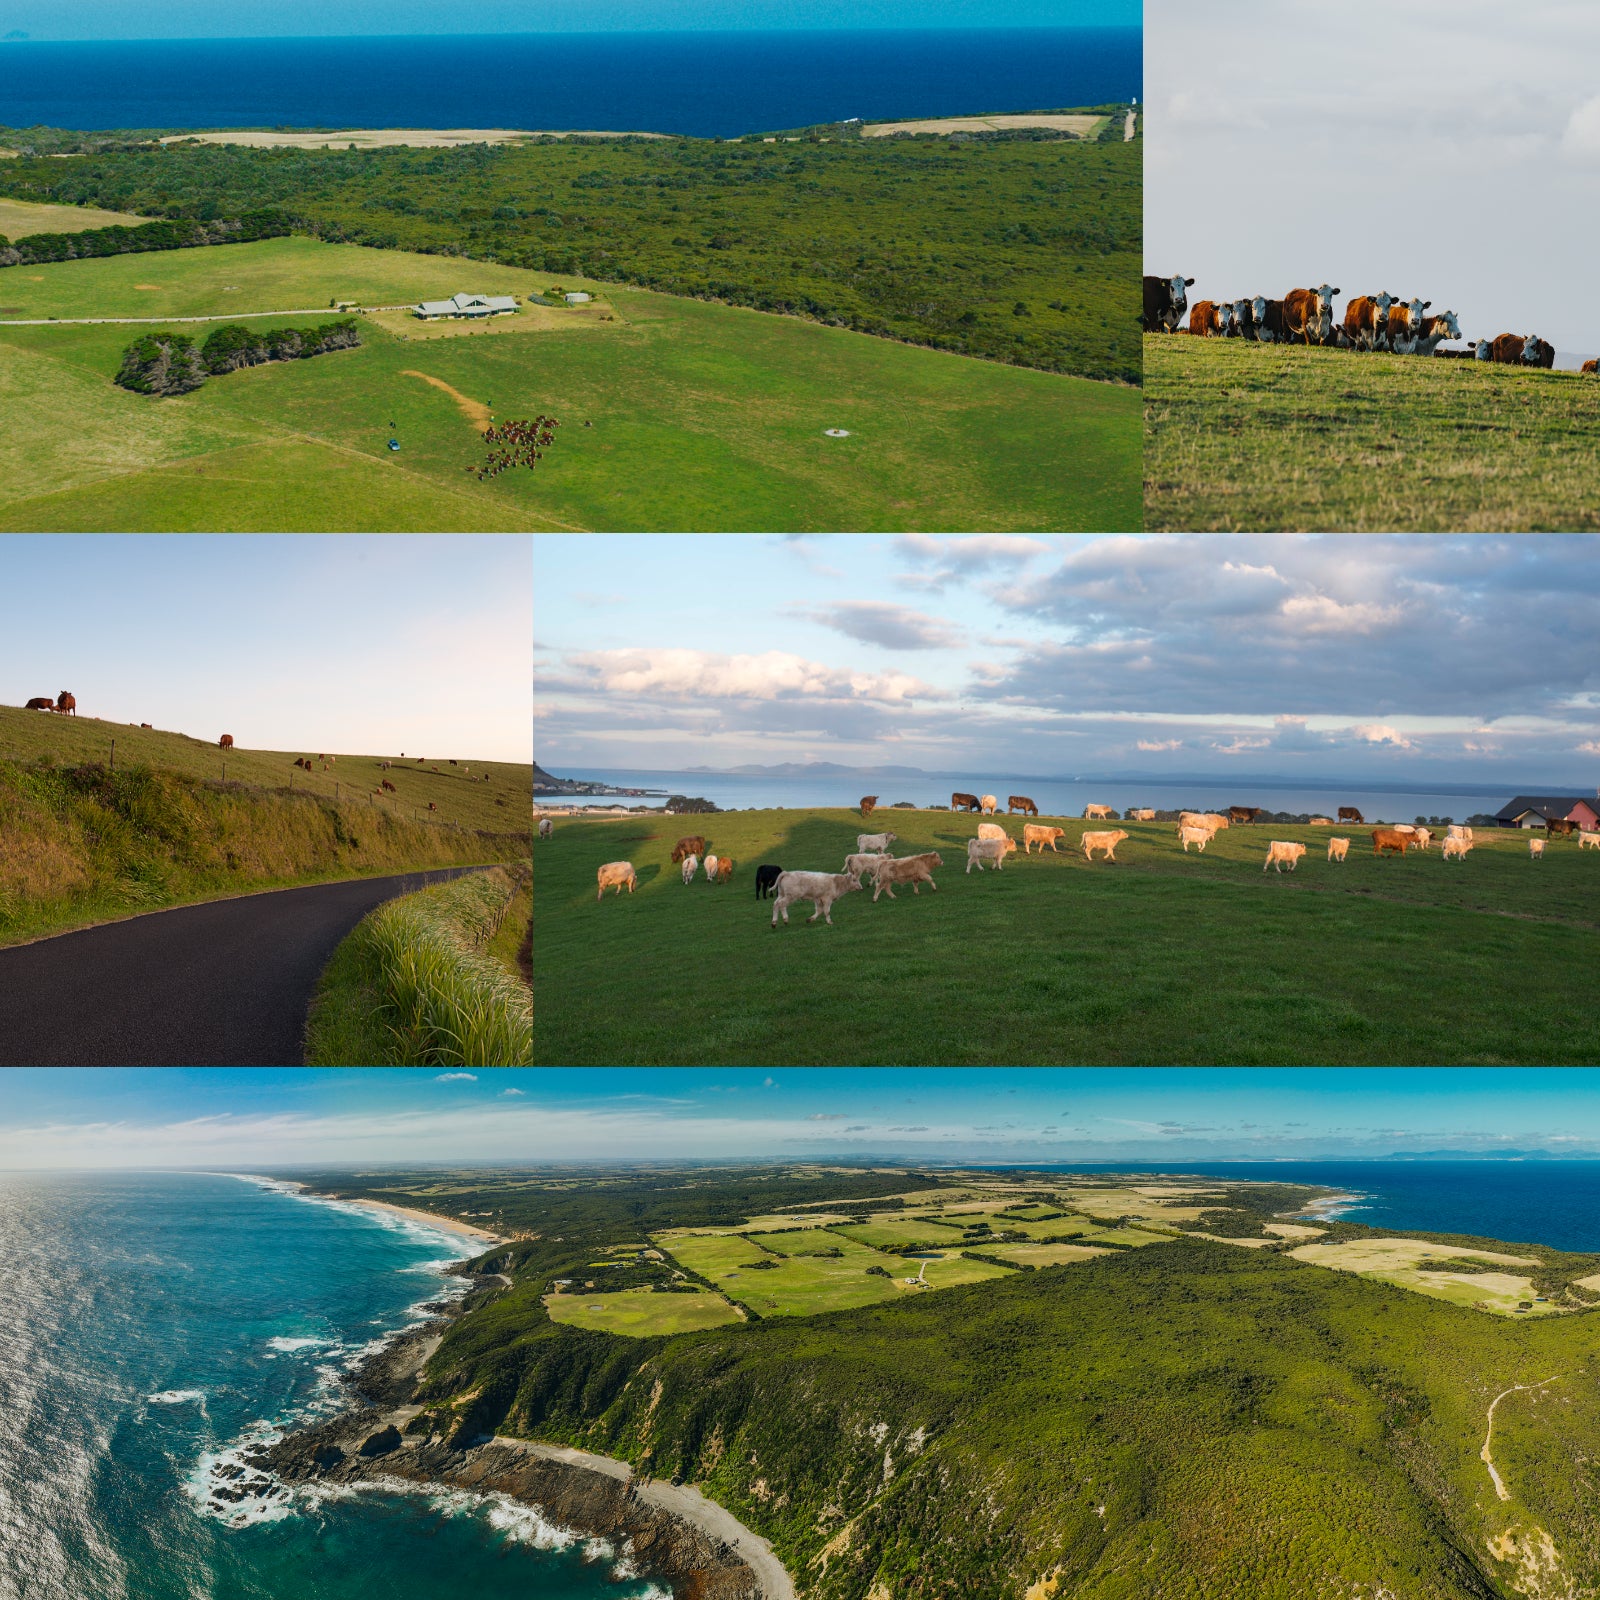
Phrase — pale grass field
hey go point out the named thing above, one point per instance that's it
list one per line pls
(19, 218)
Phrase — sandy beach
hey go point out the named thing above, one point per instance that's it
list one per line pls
(444, 1224)
(377, 138)
(1082, 126)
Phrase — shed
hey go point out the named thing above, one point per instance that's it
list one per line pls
(578, 298)
(1535, 810)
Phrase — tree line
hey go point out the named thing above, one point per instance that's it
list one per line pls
(164, 364)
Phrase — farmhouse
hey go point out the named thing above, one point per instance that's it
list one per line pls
(1535, 810)
(466, 305)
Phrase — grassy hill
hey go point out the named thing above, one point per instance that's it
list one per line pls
(1157, 958)
(84, 840)
(704, 416)
(1247, 437)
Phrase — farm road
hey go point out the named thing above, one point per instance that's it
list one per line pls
(224, 984)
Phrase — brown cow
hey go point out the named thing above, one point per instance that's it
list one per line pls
(693, 846)
(1405, 321)
(1308, 315)
(1560, 827)
(1390, 839)
(66, 705)
(1243, 813)
(869, 804)
(225, 742)
(1366, 320)
(389, 786)
(1590, 366)
(1514, 349)
(965, 802)
(1544, 354)
(433, 807)
(146, 725)
(1208, 320)
(1350, 814)
(1020, 802)
(40, 705)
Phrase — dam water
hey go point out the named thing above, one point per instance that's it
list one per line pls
(156, 1325)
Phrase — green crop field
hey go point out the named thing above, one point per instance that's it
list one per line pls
(1275, 439)
(1156, 958)
(886, 1231)
(639, 1313)
(1046, 1255)
(703, 416)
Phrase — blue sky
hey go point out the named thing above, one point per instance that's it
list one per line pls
(1394, 659)
(196, 19)
(342, 642)
(244, 1118)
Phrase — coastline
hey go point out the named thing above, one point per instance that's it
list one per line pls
(465, 1230)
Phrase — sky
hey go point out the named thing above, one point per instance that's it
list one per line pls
(367, 643)
(1442, 148)
(1354, 657)
(249, 1119)
(198, 19)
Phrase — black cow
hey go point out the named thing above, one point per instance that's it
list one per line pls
(1165, 301)
(965, 802)
(766, 878)
(1350, 814)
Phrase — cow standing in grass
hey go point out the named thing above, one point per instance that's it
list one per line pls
(66, 705)
(546, 827)
(823, 888)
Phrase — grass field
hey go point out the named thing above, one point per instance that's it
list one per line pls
(1426, 1267)
(640, 1313)
(704, 416)
(1156, 958)
(19, 218)
(886, 1231)
(1046, 1255)
(1276, 439)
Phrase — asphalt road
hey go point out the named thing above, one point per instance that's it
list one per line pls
(226, 984)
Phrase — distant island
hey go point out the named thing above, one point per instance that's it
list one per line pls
(545, 784)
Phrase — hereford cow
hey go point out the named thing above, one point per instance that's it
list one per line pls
(433, 807)
(823, 888)
(1020, 802)
(1350, 814)
(908, 869)
(766, 877)
(1280, 851)
(1034, 833)
(1091, 812)
(612, 876)
(964, 802)
(40, 705)
(1308, 315)
(66, 705)
(1514, 349)
(1433, 332)
(1543, 355)
(1165, 301)
(1268, 317)
(1102, 841)
(1209, 321)
(1366, 320)
(1242, 324)
(683, 847)
(546, 827)
(1243, 813)
(1390, 839)
(869, 804)
(225, 742)
(1338, 849)
(993, 850)
(1405, 320)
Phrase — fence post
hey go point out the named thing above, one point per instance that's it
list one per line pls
(113, 755)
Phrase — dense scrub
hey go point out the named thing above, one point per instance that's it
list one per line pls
(1018, 250)
(182, 233)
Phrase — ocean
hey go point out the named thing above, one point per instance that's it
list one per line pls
(712, 85)
(155, 1324)
(1055, 797)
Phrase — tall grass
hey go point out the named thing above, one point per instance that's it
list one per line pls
(413, 986)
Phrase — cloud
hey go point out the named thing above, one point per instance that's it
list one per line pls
(1590, 747)
(1160, 744)
(889, 626)
(510, 1091)
(681, 674)
(1581, 141)
(825, 1116)
(455, 1077)
(1382, 733)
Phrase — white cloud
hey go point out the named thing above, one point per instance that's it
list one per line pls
(1382, 733)
(510, 1091)
(455, 1077)
(1590, 747)
(1161, 744)
(679, 674)
(1581, 141)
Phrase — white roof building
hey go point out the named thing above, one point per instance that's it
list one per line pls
(467, 305)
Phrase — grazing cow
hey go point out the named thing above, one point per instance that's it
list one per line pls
(823, 888)
(867, 861)
(1243, 813)
(874, 841)
(1091, 812)
(66, 705)
(433, 807)
(225, 742)
(40, 705)
(1350, 814)
(451, 760)
(1433, 332)
(1455, 846)
(995, 850)
(389, 787)
(1560, 827)
(613, 875)
(964, 802)
(1280, 851)
(696, 843)
(691, 865)
(546, 827)
(1308, 315)
(1459, 830)
(766, 877)
(1102, 841)
(1321, 822)
(1194, 836)
(1366, 320)
(1337, 849)
(384, 765)
(1536, 849)
(1215, 822)
(1145, 815)
(988, 805)
(1034, 833)
(1208, 321)
(992, 830)
(1020, 802)
(146, 725)
(1543, 354)
(1588, 839)
(1590, 366)
(1389, 839)
(1165, 301)
(1404, 322)
(869, 804)
(907, 869)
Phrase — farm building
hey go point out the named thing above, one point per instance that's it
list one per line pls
(1535, 810)
(577, 298)
(466, 305)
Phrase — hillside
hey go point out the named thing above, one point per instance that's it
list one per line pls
(1249, 437)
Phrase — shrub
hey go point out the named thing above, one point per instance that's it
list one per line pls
(161, 364)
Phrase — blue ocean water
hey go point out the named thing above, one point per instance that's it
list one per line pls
(712, 85)
(154, 1325)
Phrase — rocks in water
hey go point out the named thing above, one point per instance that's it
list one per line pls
(380, 1443)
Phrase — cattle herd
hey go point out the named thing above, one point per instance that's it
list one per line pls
(517, 442)
(1370, 322)
(872, 857)
(63, 703)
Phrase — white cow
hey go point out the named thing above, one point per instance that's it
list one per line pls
(1337, 849)
(1588, 839)
(866, 862)
(1196, 836)
(879, 842)
(1455, 846)
(691, 865)
(988, 805)
(546, 826)
(1536, 849)
(1280, 851)
(613, 875)
(994, 850)
(711, 869)
(992, 830)
(822, 887)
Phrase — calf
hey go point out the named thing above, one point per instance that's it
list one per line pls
(546, 827)
(823, 888)
(869, 804)
(433, 807)
(389, 786)
(766, 877)
(1455, 847)
(1536, 849)
(613, 875)
(907, 869)
(994, 850)
(875, 841)
(1423, 836)
(1280, 851)
(1165, 301)
(711, 869)
(695, 844)
(1091, 812)
(1389, 839)
(1337, 849)
(964, 802)
(724, 872)
(1020, 802)
(1434, 331)
(1034, 833)
(691, 865)
(1194, 836)
(1102, 841)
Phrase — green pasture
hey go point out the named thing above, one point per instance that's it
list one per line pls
(807, 1242)
(884, 1231)
(952, 1270)
(704, 416)
(1046, 1255)
(1159, 957)
(19, 218)
(640, 1313)
(1280, 439)
(711, 1254)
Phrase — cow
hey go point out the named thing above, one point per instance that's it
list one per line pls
(1102, 841)
(1351, 814)
(1588, 839)
(388, 787)
(1423, 836)
(1405, 322)
(994, 850)
(766, 877)
(1243, 813)
(875, 841)
(1590, 366)
(907, 869)
(1308, 315)
(1020, 802)
(964, 802)
(1209, 820)
(1281, 850)
(40, 705)
(823, 888)
(1208, 321)
(433, 807)
(1268, 318)
(1483, 350)
(1034, 833)
(1165, 301)
(1544, 354)
(1455, 846)
(992, 830)
(988, 805)
(719, 869)
(1242, 325)
(1092, 812)
(869, 804)
(1560, 827)
(65, 704)
(225, 742)
(1515, 349)
(696, 843)
(1389, 839)
(1194, 836)
(1145, 815)
(691, 865)
(1338, 849)
(146, 725)
(1536, 849)
(1366, 320)
(1433, 332)
(1321, 822)
(613, 875)
(865, 861)
(546, 827)
(710, 864)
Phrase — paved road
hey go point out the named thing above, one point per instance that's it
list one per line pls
(225, 984)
